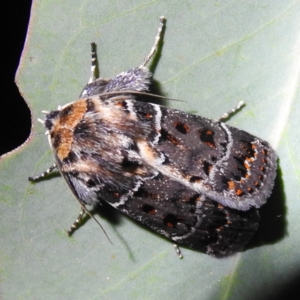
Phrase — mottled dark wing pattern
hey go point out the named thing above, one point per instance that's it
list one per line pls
(158, 170)
(189, 218)
(188, 178)
(182, 215)
(196, 181)
(231, 166)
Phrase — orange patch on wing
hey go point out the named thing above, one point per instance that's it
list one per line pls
(239, 192)
(65, 125)
(231, 185)
(120, 103)
(65, 142)
(246, 165)
(146, 151)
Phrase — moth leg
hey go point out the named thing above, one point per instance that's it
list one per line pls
(178, 251)
(42, 175)
(94, 64)
(81, 215)
(76, 222)
(231, 112)
(156, 42)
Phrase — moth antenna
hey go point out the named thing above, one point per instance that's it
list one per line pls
(98, 224)
(79, 218)
(139, 93)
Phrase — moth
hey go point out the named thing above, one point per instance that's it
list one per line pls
(196, 181)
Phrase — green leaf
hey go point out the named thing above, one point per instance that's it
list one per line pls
(215, 54)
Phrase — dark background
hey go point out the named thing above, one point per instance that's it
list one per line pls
(15, 122)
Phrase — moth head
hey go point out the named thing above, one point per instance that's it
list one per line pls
(54, 115)
(50, 118)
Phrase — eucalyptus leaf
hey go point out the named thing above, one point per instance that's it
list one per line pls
(215, 54)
